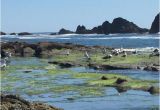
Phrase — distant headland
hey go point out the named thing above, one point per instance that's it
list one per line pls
(119, 25)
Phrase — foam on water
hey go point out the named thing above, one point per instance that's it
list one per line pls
(112, 40)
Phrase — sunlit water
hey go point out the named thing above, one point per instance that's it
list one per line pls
(112, 40)
(37, 85)
(24, 84)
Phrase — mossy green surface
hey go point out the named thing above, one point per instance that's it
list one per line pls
(77, 57)
(94, 79)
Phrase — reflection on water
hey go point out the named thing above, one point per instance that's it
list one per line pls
(140, 74)
(38, 85)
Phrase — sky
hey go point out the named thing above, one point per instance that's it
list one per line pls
(52, 15)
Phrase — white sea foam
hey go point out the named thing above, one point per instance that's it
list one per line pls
(80, 36)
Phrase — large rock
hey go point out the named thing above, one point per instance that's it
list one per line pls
(106, 27)
(155, 25)
(24, 33)
(82, 30)
(64, 31)
(13, 33)
(27, 51)
(14, 102)
(2, 33)
(98, 30)
(120, 25)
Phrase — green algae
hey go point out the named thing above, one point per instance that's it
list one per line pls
(97, 58)
(82, 90)
(94, 79)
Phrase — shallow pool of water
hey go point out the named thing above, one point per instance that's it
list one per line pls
(39, 85)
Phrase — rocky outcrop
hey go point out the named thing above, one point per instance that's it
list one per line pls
(98, 30)
(14, 102)
(24, 33)
(13, 33)
(39, 49)
(120, 25)
(2, 33)
(152, 68)
(82, 30)
(106, 27)
(155, 25)
(64, 31)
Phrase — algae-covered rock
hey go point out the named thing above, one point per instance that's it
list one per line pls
(153, 90)
(14, 102)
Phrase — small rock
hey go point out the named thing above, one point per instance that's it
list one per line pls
(121, 89)
(104, 78)
(66, 65)
(153, 90)
(120, 81)
(70, 99)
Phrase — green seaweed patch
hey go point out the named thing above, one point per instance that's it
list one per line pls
(59, 71)
(82, 90)
(95, 79)
(97, 58)
(130, 59)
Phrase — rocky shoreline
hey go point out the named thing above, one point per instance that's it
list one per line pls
(48, 49)
(14, 102)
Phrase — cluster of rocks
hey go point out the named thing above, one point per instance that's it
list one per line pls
(39, 49)
(119, 25)
(14, 102)
(20, 34)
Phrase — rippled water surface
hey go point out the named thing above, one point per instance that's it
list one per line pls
(112, 40)
(38, 85)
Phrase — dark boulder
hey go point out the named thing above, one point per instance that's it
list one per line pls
(153, 90)
(2, 33)
(155, 25)
(120, 25)
(14, 102)
(152, 68)
(24, 33)
(121, 89)
(120, 81)
(64, 31)
(66, 65)
(12, 33)
(104, 78)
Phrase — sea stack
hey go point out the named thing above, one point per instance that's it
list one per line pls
(155, 25)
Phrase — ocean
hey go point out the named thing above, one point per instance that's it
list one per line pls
(111, 40)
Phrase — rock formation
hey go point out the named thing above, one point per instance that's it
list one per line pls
(24, 33)
(155, 25)
(64, 31)
(120, 25)
(3, 33)
(14, 102)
